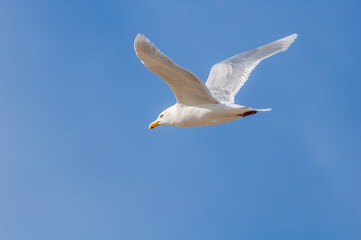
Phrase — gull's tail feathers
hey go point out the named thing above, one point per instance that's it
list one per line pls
(264, 110)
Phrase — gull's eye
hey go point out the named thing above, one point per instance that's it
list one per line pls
(161, 116)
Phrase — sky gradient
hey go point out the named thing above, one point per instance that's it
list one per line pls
(77, 160)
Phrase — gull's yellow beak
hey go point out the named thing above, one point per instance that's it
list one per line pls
(153, 124)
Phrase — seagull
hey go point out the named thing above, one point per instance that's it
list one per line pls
(212, 103)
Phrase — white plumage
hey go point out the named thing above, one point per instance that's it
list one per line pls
(200, 104)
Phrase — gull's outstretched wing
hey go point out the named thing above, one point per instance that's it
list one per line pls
(187, 87)
(228, 76)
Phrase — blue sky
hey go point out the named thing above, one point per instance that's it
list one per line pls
(77, 160)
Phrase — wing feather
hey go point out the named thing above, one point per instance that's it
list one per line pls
(227, 77)
(187, 87)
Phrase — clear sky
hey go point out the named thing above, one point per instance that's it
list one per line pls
(77, 160)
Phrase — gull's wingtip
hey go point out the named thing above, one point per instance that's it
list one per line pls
(140, 42)
(143, 45)
(139, 37)
(291, 38)
(285, 42)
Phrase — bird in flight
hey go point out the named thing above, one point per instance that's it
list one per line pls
(212, 103)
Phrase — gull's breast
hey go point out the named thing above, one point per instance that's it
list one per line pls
(203, 115)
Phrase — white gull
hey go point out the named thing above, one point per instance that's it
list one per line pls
(200, 104)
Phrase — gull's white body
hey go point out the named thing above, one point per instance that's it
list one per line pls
(200, 104)
(205, 114)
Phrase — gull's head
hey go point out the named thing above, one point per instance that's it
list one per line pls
(163, 119)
